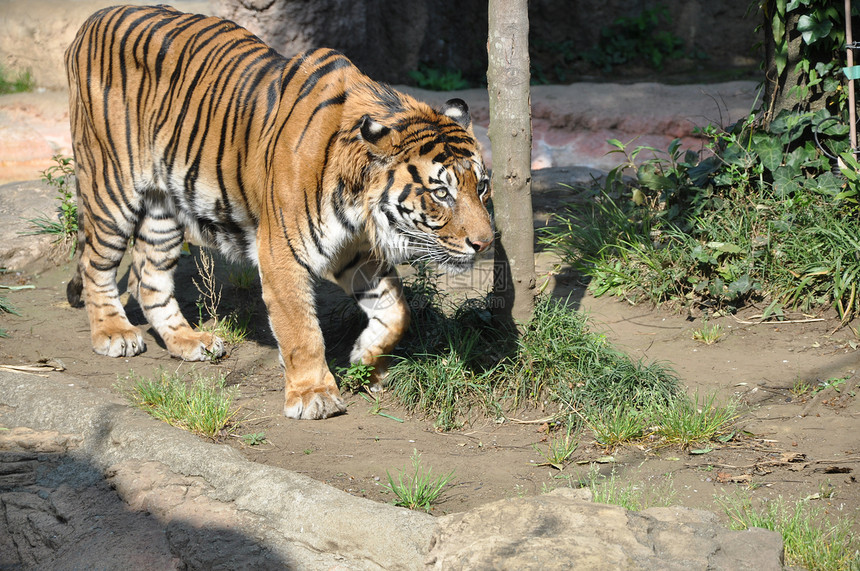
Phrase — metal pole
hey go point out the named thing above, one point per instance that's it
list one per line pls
(852, 111)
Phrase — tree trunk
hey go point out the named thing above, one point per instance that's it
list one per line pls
(511, 139)
(778, 93)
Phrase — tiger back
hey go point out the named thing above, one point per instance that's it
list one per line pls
(304, 166)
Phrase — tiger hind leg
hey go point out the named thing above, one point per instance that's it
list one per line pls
(376, 288)
(157, 247)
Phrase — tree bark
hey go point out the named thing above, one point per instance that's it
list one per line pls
(511, 139)
(778, 94)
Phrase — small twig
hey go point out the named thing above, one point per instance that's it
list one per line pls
(810, 320)
(536, 421)
(23, 370)
(837, 460)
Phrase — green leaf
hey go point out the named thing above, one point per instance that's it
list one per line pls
(652, 180)
(812, 28)
(741, 286)
(769, 149)
(785, 181)
(673, 146)
(724, 247)
(801, 156)
(828, 183)
(781, 8)
(790, 125)
(699, 174)
(780, 58)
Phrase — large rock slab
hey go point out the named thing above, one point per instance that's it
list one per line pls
(217, 509)
(564, 530)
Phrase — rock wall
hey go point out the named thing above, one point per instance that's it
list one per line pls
(34, 34)
(386, 39)
(389, 39)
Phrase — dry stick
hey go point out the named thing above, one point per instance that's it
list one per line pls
(810, 320)
(537, 421)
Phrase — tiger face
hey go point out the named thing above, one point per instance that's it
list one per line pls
(432, 202)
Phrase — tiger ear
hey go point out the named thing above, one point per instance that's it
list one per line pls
(457, 110)
(378, 136)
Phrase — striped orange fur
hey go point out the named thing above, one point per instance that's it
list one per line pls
(305, 166)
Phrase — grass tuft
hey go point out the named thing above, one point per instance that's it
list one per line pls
(632, 496)
(560, 449)
(708, 333)
(63, 227)
(198, 404)
(457, 361)
(17, 83)
(686, 421)
(811, 539)
(420, 490)
(617, 426)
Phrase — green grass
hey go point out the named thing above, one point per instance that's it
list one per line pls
(617, 426)
(438, 79)
(631, 496)
(560, 448)
(242, 276)
(15, 83)
(685, 422)
(763, 220)
(64, 226)
(456, 364)
(812, 539)
(6, 306)
(708, 333)
(233, 327)
(459, 364)
(420, 490)
(193, 402)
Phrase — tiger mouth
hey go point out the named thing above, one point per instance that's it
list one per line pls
(456, 263)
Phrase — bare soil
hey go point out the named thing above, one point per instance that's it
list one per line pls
(789, 445)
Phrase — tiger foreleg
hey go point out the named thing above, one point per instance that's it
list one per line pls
(310, 391)
(377, 289)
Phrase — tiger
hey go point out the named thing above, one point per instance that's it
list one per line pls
(189, 126)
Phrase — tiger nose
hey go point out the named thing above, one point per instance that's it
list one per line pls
(479, 245)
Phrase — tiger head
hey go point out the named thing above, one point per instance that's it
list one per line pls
(430, 199)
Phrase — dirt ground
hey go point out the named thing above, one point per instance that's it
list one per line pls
(788, 445)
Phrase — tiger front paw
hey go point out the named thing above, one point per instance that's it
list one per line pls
(121, 341)
(314, 404)
(195, 346)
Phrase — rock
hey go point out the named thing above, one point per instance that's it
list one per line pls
(564, 530)
(34, 35)
(57, 512)
(201, 503)
(20, 250)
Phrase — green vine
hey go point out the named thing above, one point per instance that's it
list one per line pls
(821, 26)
